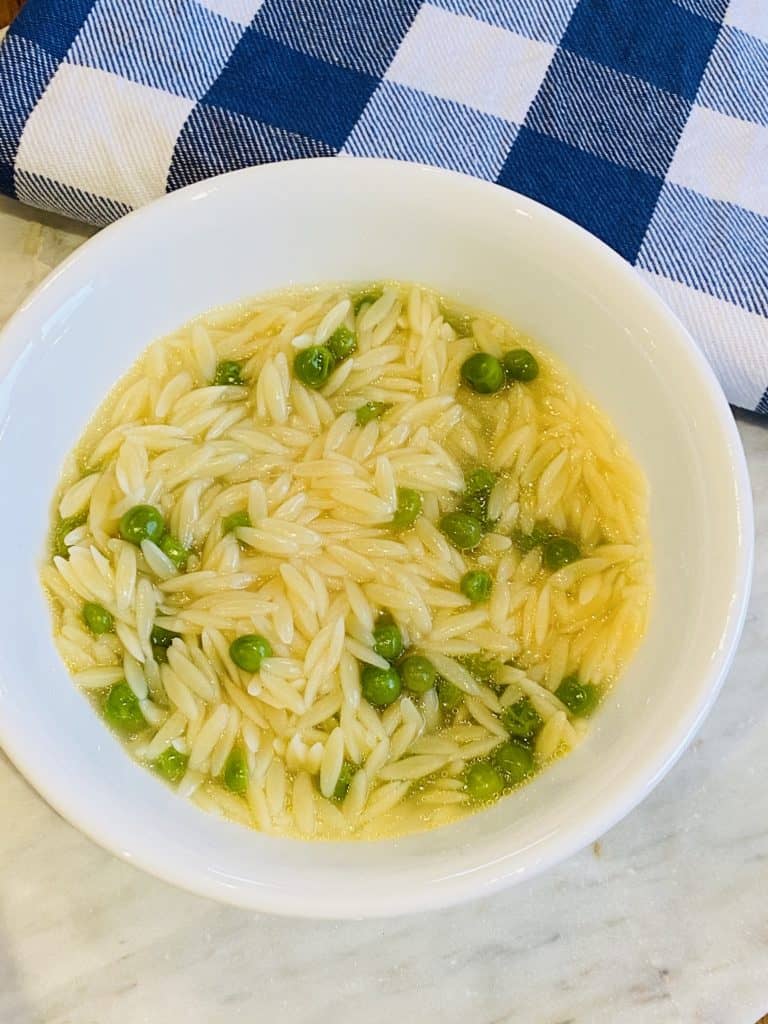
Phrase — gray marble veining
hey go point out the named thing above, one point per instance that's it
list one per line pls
(663, 922)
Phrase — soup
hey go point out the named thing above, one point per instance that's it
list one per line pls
(348, 561)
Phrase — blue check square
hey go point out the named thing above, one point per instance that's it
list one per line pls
(359, 34)
(615, 203)
(406, 124)
(714, 246)
(155, 55)
(269, 82)
(644, 39)
(52, 25)
(74, 202)
(612, 115)
(25, 71)
(745, 95)
(214, 141)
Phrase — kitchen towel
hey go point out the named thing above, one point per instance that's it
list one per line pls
(646, 121)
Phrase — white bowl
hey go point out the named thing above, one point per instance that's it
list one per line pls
(325, 220)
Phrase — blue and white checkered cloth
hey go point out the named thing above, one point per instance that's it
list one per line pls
(646, 121)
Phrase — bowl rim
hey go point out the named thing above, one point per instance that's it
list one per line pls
(484, 878)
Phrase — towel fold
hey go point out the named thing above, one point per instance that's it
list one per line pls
(646, 121)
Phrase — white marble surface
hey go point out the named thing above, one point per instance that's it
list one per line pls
(664, 921)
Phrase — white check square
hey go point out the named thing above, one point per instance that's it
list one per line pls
(458, 58)
(750, 16)
(239, 11)
(724, 158)
(121, 148)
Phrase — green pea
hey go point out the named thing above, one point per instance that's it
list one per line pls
(560, 551)
(483, 373)
(581, 699)
(514, 761)
(344, 781)
(371, 411)
(449, 695)
(235, 521)
(387, 641)
(122, 709)
(313, 365)
(380, 686)
(342, 343)
(476, 585)
(160, 637)
(171, 764)
(479, 481)
(236, 772)
(366, 298)
(483, 782)
(142, 522)
(482, 668)
(475, 505)
(477, 491)
(97, 618)
(62, 528)
(522, 720)
(229, 372)
(462, 530)
(540, 534)
(519, 364)
(174, 550)
(409, 505)
(460, 322)
(249, 651)
(418, 673)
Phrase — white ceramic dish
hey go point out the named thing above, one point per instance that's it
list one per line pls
(259, 229)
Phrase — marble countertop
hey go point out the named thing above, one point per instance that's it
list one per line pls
(663, 921)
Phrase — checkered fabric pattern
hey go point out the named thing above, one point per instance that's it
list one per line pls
(646, 121)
